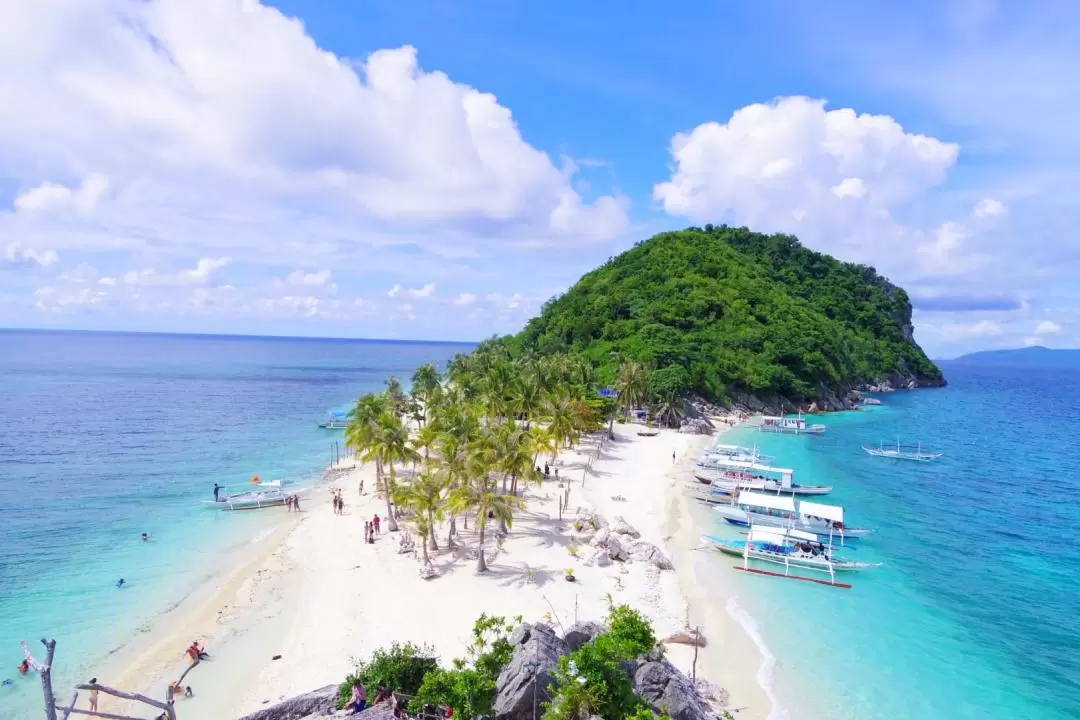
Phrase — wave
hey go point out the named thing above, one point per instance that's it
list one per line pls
(766, 674)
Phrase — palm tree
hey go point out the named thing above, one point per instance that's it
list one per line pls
(426, 382)
(561, 422)
(398, 400)
(390, 445)
(482, 496)
(363, 426)
(425, 496)
(632, 386)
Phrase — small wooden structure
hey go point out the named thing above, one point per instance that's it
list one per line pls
(167, 712)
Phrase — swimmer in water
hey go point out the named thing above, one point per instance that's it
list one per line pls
(145, 537)
(24, 667)
(120, 583)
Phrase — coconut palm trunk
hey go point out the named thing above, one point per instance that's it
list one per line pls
(391, 524)
(481, 560)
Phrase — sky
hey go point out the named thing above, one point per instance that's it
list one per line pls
(433, 170)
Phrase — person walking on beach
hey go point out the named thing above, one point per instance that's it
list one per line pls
(361, 488)
(672, 457)
(296, 503)
(93, 695)
(376, 523)
(367, 530)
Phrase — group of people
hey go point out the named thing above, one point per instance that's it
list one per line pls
(338, 501)
(358, 700)
(292, 503)
(196, 652)
(547, 471)
(371, 529)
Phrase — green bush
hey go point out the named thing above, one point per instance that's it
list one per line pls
(401, 668)
(632, 633)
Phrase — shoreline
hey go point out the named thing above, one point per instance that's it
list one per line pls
(313, 594)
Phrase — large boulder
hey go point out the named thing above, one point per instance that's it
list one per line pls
(622, 527)
(319, 703)
(648, 553)
(581, 633)
(667, 690)
(600, 538)
(599, 557)
(616, 549)
(526, 677)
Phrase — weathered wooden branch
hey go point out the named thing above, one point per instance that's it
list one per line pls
(71, 705)
(124, 695)
(110, 716)
(46, 678)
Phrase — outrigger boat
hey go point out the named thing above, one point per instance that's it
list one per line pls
(733, 452)
(790, 549)
(790, 425)
(826, 522)
(902, 452)
(730, 476)
(335, 421)
(270, 493)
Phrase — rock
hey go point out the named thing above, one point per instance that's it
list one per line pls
(537, 650)
(581, 633)
(649, 553)
(685, 637)
(615, 549)
(696, 426)
(667, 690)
(622, 527)
(600, 538)
(314, 704)
(600, 557)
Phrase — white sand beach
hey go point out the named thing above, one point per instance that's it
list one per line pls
(313, 595)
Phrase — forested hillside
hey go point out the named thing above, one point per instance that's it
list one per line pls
(725, 312)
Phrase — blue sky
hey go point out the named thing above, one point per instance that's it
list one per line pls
(438, 170)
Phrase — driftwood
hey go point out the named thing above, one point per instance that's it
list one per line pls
(51, 706)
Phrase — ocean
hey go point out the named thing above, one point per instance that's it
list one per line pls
(104, 436)
(972, 615)
(973, 612)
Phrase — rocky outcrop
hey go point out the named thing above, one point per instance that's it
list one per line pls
(622, 527)
(525, 679)
(667, 690)
(646, 552)
(319, 703)
(580, 633)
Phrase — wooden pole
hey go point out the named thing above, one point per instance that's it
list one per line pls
(125, 695)
(110, 716)
(693, 668)
(46, 679)
(71, 706)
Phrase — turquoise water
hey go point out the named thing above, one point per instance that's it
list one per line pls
(973, 614)
(104, 436)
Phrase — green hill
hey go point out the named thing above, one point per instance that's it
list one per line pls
(736, 315)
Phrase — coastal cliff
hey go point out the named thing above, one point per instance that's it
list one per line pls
(740, 319)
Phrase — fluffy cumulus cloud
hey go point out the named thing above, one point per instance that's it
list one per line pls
(184, 103)
(832, 177)
(202, 273)
(16, 256)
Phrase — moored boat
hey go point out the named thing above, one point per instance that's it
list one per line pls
(791, 549)
(268, 493)
(790, 425)
(902, 452)
(826, 522)
(335, 421)
(729, 475)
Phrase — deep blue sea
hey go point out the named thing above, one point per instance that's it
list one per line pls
(974, 613)
(104, 436)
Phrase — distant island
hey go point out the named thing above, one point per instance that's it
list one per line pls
(737, 317)
(1037, 356)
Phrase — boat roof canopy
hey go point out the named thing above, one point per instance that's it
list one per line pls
(747, 465)
(835, 513)
(779, 535)
(773, 502)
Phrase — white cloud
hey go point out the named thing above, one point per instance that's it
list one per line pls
(318, 278)
(830, 176)
(1047, 327)
(427, 291)
(16, 256)
(201, 274)
(988, 207)
(204, 115)
(505, 303)
(465, 299)
(107, 281)
(52, 197)
(395, 291)
(51, 299)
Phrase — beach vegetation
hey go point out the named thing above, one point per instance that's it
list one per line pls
(723, 312)
(401, 667)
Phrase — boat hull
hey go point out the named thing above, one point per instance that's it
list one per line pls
(732, 486)
(745, 520)
(247, 503)
(795, 559)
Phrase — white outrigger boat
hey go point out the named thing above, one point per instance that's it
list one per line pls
(733, 452)
(790, 549)
(335, 421)
(268, 494)
(729, 476)
(826, 522)
(902, 452)
(789, 425)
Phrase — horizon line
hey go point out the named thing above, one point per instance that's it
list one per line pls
(236, 335)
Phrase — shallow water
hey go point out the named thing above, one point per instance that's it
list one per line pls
(972, 614)
(104, 436)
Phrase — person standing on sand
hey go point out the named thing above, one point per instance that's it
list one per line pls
(361, 488)
(376, 523)
(93, 695)
(296, 503)
(672, 457)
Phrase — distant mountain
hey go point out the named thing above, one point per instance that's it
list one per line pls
(1037, 356)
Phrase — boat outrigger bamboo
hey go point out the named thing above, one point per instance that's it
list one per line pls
(792, 549)
(790, 425)
(825, 522)
(335, 421)
(902, 452)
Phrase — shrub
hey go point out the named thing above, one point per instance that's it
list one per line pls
(400, 668)
(631, 632)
